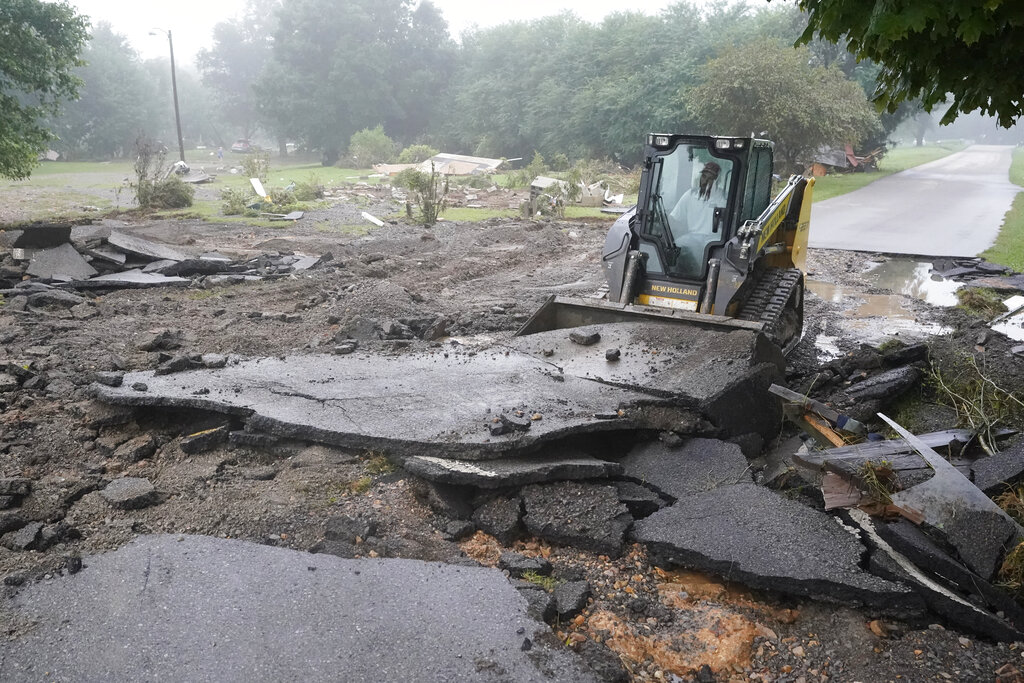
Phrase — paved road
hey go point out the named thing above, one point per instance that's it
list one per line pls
(950, 207)
(168, 608)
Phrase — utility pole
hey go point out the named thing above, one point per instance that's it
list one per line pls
(174, 90)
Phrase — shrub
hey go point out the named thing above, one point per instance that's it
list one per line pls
(171, 193)
(309, 190)
(415, 154)
(257, 165)
(371, 146)
(429, 191)
(560, 162)
(234, 200)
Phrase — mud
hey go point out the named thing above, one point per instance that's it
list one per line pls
(479, 282)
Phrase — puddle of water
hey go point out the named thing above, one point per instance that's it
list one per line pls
(913, 279)
(873, 318)
(1013, 326)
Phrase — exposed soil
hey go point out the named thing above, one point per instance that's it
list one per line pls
(478, 279)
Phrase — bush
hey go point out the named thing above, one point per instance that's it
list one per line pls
(234, 200)
(371, 146)
(309, 190)
(560, 162)
(171, 193)
(429, 192)
(257, 165)
(415, 154)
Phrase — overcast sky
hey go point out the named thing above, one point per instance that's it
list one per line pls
(192, 21)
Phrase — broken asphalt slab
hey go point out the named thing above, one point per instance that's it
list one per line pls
(60, 263)
(751, 534)
(446, 403)
(509, 471)
(145, 248)
(695, 466)
(726, 373)
(367, 401)
(199, 608)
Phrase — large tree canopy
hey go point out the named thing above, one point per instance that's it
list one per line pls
(767, 87)
(967, 49)
(41, 43)
(116, 101)
(340, 66)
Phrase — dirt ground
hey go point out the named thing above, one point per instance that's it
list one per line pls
(481, 280)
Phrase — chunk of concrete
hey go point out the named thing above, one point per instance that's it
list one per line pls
(509, 471)
(137, 246)
(293, 616)
(55, 298)
(416, 404)
(993, 473)
(639, 500)
(751, 534)
(571, 598)
(919, 549)
(698, 465)
(500, 518)
(889, 562)
(583, 515)
(888, 385)
(130, 493)
(44, 236)
(132, 279)
(725, 372)
(60, 263)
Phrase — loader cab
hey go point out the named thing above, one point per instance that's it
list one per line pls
(695, 193)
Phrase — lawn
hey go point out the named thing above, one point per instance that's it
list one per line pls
(1009, 247)
(896, 160)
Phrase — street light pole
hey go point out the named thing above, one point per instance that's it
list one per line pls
(174, 90)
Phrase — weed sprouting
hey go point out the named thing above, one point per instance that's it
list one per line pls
(548, 583)
(980, 403)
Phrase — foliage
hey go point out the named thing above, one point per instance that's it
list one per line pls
(429, 192)
(767, 87)
(241, 48)
(256, 164)
(371, 146)
(548, 583)
(879, 480)
(340, 66)
(115, 101)
(149, 163)
(152, 189)
(41, 46)
(980, 301)
(235, 200)
(309, 190)
(378, 464)
(979, 402)
(560, 162)
(171, 193)
(1009, 246)
(281, 199)
(415, 154)
(930, 49)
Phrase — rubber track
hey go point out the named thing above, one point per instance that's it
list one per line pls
(768, 300)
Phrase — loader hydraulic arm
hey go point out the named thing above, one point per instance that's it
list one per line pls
(758, 234)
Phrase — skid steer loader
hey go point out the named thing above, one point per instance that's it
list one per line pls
(705, 245)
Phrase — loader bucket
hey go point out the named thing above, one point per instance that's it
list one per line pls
(560, 313)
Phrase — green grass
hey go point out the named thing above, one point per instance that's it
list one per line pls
(895, 160)
(1009, 247)
(461, 213)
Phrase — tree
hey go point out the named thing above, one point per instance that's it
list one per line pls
(115, 100)
(240, 52)
(766, 86)
(41, 46)
(371, 146)
(932, 49)
(339, 66)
